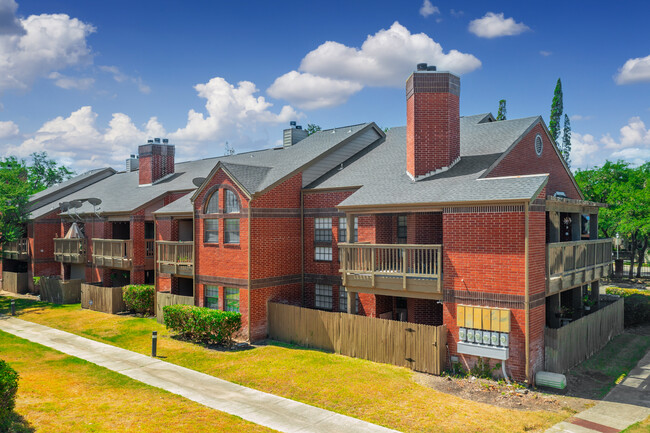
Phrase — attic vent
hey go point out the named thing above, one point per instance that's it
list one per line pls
(539, 145)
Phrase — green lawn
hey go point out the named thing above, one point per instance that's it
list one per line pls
(640, 427)
(378, 393)
(61, 393)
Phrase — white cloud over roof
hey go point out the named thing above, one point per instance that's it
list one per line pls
(494, 25)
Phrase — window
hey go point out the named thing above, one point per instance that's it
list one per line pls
(211, 230)
(323, 253)
(323, 230)
(212, 297)
(213, 203)
(231, 232)
(232, 204)
(231, 300)
(343, 230)
(539, 145)
(401, 229)
(343, 301)
(324, 296)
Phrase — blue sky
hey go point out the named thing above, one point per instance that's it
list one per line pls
(89, 81)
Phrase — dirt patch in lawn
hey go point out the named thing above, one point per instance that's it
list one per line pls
(502, 395)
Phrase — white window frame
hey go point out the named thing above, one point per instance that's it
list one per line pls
(323, 296)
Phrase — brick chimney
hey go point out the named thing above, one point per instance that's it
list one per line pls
(156, 160)
(432, 121)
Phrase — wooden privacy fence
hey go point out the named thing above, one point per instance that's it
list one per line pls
(104, 299)
(165, 298)
(569, 345)
(60, 292)
(15, 282)
(419, 347)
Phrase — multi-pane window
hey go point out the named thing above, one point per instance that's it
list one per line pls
(324, 296)
(231, 299)
(323, 230)
(343, 230)
(323, 253)
(401, 229)
(213, 203)
(212, 297)
(231, 232)
(211, 230)
(232, 204)
(343, 300)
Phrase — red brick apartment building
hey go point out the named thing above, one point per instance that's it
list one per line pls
(456, 220)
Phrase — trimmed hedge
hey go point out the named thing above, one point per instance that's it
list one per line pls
(139, 298)
(636, 304)
(202, 324)
(8, 389)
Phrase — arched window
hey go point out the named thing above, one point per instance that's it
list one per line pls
(232, 204)
(213, 203)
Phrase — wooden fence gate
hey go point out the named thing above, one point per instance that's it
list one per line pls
(418, 347)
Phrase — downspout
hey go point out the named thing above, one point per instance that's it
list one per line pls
(250, 224)
(194, 248)
(526, 292)
(302, 248)
(155, 266)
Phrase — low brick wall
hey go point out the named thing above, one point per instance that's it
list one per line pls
(60, 292)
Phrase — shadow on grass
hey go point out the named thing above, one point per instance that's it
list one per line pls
(235, 347)
(16, 424)
(23, 304)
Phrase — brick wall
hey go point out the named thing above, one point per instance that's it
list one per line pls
(522, 160)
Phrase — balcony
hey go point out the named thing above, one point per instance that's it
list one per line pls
(16, 250)
(393, 270)
(113, 253)
(175, 258)
(571, 264)
(70, 250)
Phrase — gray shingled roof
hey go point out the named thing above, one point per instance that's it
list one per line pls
(180, 206)
(380, 171)
(255, 171)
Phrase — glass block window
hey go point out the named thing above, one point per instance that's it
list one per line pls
(231, 232)
(212, 297)
(211, 230)
(343, 230)
(213, 203)
(231, 299)
(323, 230)
(324, 296)
(323, 253)
(232, 203)
(402, 236)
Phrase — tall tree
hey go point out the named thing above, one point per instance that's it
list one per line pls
(501, 115)
(45, 172)
(312, 128)
(566, 141)
(557, 108)
(14, 195)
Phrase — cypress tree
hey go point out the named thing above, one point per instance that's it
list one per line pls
(566, 141)
(501, 115)
(557, 109)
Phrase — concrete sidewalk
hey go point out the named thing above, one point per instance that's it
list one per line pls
(626, 404)
(259, 407)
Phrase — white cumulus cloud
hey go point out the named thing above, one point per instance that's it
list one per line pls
(66, 82)
(332, 72)
(309, 91)
(583, 149)
(9, 24)
(496, 25)
(634, 71)
(121, 77)
(428, 9)
(8, 129)
(633, 134)
(50, 42)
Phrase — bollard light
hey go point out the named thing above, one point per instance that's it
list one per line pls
(13, 307)
(154, 341)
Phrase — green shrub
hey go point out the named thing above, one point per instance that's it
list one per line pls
(8, 388)
(202, 324)
(636, 305)
(139, 298)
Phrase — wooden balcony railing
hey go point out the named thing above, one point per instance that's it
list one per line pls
(394, 270)
(149, 245)
(113, 253)
(70, 250)
(175, 257)
(570, 264)
(17, 250)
